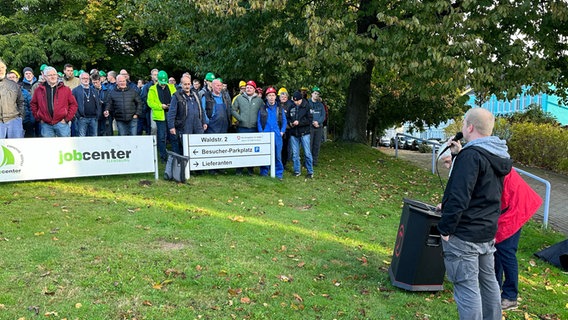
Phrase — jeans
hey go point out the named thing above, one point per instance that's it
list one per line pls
(87, 127)
(506, 265)
(295, 143)
(470, 267)
(12, 129)
(60, 129)
(161, 134)
(127, 128)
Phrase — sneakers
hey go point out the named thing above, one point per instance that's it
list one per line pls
(297, 174)
(507, 304)
(309, 176)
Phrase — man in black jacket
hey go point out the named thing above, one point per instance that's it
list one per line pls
(300, 120)
(470, 210)
(125, 105)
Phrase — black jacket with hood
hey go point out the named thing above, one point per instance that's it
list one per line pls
(472, 199)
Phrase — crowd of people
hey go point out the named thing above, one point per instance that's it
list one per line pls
(80, 104)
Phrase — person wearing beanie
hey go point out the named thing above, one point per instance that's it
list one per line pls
(29, 79)
(11, 107)
(245, 110)
(300, 120)
(316, 130)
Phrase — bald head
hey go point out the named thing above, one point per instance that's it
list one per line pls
(482, 121)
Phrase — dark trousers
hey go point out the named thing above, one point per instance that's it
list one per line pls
(506, 266)
(316, 139)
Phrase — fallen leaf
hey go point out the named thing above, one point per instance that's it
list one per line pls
(532, 263)
(50, 313)
(78, 305)
(245, 300)
(301, 264)
(198, 268)
(235, 292)
(295, 221)
(237, 219)
(41, 233)
(147, 303)
(298, 297)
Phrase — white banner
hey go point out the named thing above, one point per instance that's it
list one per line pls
(52, 158)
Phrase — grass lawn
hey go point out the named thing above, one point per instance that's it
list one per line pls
(234, 247)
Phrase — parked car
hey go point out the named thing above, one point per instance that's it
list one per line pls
(384, 142)
(410, 144)
(400, 142)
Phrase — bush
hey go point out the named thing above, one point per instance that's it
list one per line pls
(540, 145)
(424, 148)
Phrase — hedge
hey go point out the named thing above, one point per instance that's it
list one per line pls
(539, 145)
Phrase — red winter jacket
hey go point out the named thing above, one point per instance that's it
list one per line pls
(64, 104)
(519, 202)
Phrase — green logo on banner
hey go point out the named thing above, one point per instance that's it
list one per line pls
(8, 157)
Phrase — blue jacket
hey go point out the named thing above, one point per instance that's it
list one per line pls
(269, 121)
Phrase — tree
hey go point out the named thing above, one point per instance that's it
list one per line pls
(382, 62)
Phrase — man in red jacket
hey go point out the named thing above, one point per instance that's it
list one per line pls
(519, 202)
(54, 106)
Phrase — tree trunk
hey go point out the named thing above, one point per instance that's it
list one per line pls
(357, 111)
(359, 95)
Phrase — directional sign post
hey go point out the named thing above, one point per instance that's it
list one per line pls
(231, 150)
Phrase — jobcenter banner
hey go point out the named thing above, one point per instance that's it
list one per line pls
(53, 158)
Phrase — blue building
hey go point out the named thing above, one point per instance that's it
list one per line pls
(548, 103)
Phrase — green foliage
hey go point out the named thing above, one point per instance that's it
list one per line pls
(379, 62)
(539, 145)
(534, 114)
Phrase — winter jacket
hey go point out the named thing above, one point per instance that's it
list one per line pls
(64, 104)
(79, 94)
(303, 115)
(27, 85)
(471, 204)
(123, 103)
(245, 109)
(11, 101)
(158, 113)
(519, 203)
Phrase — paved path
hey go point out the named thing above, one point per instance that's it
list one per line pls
(558, 209)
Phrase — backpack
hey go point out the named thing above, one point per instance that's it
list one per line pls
(175, 167)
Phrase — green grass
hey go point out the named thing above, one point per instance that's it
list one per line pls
(233, 247)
